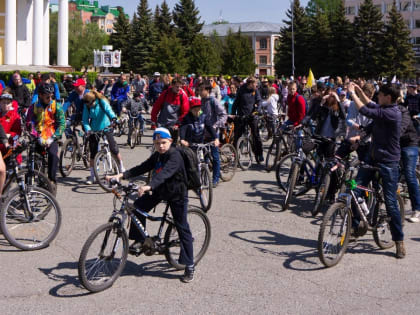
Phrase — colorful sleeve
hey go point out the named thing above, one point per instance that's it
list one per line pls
(60, 121)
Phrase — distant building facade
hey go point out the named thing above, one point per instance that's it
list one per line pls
(409, 9)
(263, 37)
(91, 12)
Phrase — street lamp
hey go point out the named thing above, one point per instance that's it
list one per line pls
(292, 4)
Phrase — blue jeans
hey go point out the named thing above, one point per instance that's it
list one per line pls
(389, 174)
(216, 163)
(409, 156)
(298, 141)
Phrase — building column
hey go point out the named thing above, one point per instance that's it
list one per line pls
(254, 47)
(63, 33)
(10, 33)
(272, 53)
(46, 33)
(38, 33)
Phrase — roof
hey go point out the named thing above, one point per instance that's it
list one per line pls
(246, 27)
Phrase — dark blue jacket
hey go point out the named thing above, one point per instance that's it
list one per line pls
(245, 101)
(78, 102)
(119, 92)
(155, 88)
(386, 130)
(193, 128)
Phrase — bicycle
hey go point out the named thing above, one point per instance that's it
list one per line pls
(30, 217)
(74, 150)
(135, 132)
(105, 163)
(335, 230)
(122, 125)
(105, 252)
(282, 144)
(244, 146)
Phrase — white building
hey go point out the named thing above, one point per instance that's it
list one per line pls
(25, 32)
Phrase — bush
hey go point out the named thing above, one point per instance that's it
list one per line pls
(6, 75)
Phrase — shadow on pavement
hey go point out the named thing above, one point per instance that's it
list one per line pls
(69, 285)
(5, 243)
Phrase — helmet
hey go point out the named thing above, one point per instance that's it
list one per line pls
(156, 74)
(194, 102)
(6, 96)
(46, 89)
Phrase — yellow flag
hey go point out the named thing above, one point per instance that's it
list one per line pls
(311, 79)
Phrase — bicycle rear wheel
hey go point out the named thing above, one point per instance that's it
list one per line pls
(283, 169)
(133, 137)
(382, 231)
(228, 162)
(291, 185)
(103, 257)
(30, 220)
(334, 234)
(103, 167)
(206, 190)
(243, 148)
(67, 157)
(201, 234)
(273, 155)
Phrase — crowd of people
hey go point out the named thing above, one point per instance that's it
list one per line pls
(195, 109)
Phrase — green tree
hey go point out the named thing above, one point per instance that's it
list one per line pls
(397, 50)
(53, 37)
(163, 23)
(121, 39)
(319, 44)
(283, 56)
(237, 54)
(187, 21)
(169, 56)
(204, 57)
(341, 44)
(326, 6)
(368, 36)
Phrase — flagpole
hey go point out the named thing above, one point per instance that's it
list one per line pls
(292, 4)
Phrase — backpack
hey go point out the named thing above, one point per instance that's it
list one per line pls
(306, 103)
(191, 167)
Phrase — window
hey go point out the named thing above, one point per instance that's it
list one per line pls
(388, 7)
(417, 24)
(263, 60)
(276, 43)
(416, 5)
(408, 23)
(416, 40)
(350, 10)
(405, 6)
(263, 43)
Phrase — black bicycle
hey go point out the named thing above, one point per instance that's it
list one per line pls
(335, 231)
(105, 252)
(282, 144)
(135, 130)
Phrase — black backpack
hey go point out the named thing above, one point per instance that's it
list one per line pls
(191, 167)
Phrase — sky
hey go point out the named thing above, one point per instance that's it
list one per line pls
(233, 11)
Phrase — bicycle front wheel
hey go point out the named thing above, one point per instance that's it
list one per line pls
(291, 185)
(206, 189)
(103, 257)
(321, 194)
(334, 234)
(67, 157)
(201, 234)
(133, 136)
(228, 162)
(104, 165)
(273, 155)
(30, 219)
(243, 148)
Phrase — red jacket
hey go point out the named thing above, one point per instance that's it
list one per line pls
(11, 125)
(188, 90)
(296, 109)
(168, 97)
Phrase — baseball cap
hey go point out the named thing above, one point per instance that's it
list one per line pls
(343, 93)
(156, 74)
(195, 102)
(161, 133)
(6, 96)
(79, 82)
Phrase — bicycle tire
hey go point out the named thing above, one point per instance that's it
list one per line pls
(139, 135)
(86, 155)
(23, 232)
(40, 180)
(273, 154)
(283, 168)
(133, 138)
(101, 158)
(172, 243)
(337, 211)
(206, 185)
(228, 162)
(292, 181)
(243, 148)
(101, 258)
(382, 231)
(321, 194)
(66, 169)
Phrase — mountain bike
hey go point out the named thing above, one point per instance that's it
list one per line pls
(335, 231)
(244, 146)
(73, 150)
(135, 129)
(105, 252)
(105, 163)
(281, 145)
(30, 216)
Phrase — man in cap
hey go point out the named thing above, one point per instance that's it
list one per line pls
(76, 97)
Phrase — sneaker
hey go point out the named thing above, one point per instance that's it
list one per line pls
(91, 180)
(215, 184)
(400, 249)
(136, 248)
(188, 275)
(415, 217)
(260, 159)
(122, 169)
